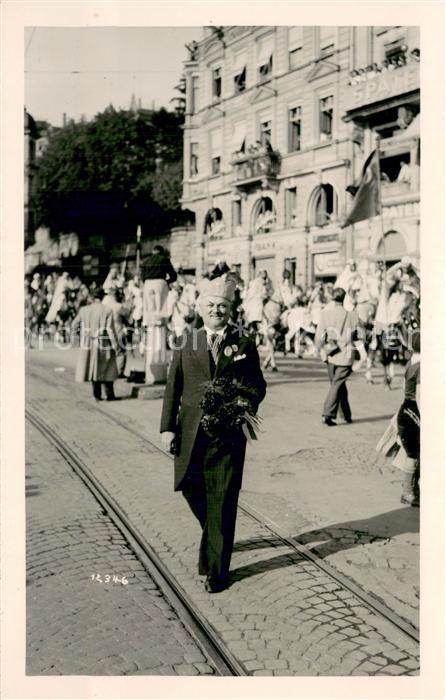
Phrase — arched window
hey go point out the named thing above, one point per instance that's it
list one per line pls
(213, 222)
(393, 247)
(264, 215)
(324, 205)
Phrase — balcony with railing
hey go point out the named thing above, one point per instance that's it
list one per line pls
(377, 83)
(256, 164)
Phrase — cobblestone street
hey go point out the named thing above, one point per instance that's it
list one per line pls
(281, 615)
(82, 619)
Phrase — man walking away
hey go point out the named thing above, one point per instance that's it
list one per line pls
(113, 301)
(98, 345)
(336, 331)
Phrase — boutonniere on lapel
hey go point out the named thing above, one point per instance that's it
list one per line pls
(239, 357)
(230, 350)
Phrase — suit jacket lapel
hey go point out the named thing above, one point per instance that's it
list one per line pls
(225, 359)
(202, 352)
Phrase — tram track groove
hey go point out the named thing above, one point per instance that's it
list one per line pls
(207, 638)
(372, 602)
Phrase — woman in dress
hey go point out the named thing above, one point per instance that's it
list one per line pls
(259, 290)
(59, 299)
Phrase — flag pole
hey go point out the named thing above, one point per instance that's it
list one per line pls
(380, 198)
(384, 256)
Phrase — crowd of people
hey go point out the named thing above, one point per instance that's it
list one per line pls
(283, 316)
(389, 64)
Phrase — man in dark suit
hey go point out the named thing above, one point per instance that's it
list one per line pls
(208, 470)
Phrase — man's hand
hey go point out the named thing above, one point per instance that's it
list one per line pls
(167, 440)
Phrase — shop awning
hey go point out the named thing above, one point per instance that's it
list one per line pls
(265, 49)
(240, 61)
(295, 38)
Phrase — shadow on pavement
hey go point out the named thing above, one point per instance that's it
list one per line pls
(257, 543)
(331, 539)
(260, 567)
(372, 419)
(346, 535)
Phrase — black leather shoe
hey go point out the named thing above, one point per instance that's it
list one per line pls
(348, 420)
(215, 586)
(328, 421)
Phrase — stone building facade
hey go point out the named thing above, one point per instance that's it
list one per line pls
(279, 122)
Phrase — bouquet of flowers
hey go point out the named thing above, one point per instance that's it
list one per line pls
(228, 406)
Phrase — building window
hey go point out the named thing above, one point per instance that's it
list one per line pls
(326, 118)
(238, 139)
(264, 215)
(265, 132)
(240, 81)
(265, 59)
(216, 83)
(326, 40)
(240, 61)
(216, 165)
(290, 264)
(236, 213)
(325, 206)
(294, 129)
(213, 222)
(290, 206)
(194, 94)
(295, 44)
(216, 151)
(393, 248)
(193, 170)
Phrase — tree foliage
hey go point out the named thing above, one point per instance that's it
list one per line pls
(99, 176)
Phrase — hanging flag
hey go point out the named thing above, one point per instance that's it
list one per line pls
(366, 192)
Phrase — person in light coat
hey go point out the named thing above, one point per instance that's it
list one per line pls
(342, 326)
(259, 290)
(99, 344)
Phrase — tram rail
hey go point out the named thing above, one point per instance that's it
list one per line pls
(369, 600)
(224, 662)
(365, 597)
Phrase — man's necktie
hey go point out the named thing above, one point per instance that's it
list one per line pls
(214, 341)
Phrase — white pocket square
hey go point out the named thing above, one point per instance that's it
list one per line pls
(239, 357)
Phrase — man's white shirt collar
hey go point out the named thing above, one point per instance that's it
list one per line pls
(220, 331)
